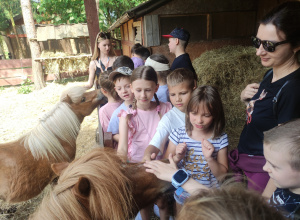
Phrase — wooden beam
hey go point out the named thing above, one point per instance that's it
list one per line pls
(92, 21)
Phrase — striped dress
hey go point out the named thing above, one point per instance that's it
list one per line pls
(194, 162)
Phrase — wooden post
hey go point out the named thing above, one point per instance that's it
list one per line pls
(92, 20)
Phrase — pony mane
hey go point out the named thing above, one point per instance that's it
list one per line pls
(60, 123)
(110, 196)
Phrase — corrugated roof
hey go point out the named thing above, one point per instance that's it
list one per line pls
(138, 11)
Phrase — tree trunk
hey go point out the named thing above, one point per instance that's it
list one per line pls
(11, 17)
(35, 49)
(92, 21)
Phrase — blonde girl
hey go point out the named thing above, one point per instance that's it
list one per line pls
(138, 124)
(102, 59)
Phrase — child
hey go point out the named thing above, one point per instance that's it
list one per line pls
(121, 79)
(139, 54)
(180, 85)
(161, 65)
(228, 202)
(201, 143)
(282, 153)
(123, 61)
(107, 87)
(178, 41)
(138, 124)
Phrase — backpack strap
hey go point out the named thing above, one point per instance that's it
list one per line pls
(275, 99)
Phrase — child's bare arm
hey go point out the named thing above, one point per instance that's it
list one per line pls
(116, 137)
(171, 149)
(219, 166)
(150, 153)
(180, 152)
(123, 137)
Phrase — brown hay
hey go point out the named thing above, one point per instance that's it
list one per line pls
(230, 69)
(72, 66)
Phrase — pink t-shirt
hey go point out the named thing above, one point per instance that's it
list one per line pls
(105, 113)
(142, 127)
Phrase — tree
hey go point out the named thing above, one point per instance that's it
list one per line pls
(35, 49)
(12, 8)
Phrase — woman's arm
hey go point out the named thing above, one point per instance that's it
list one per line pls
(123, 137)
(219, 166)
(92, 71)
(270, 188)
(165, 171)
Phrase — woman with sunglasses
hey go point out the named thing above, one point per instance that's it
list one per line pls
(102, 59)
(277, 44)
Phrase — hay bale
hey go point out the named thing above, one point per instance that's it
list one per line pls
(230, 69)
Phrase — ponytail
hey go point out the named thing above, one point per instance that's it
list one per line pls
(157, 105)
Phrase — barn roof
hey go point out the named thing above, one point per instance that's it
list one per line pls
(138, 11)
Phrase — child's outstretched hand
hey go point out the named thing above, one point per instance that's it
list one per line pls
(180, 152)
(163, 171)
(207, 149)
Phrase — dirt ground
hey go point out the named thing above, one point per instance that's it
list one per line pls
(19, 113)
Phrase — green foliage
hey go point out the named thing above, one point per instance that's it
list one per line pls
(59, 11)
(73, 11)
(8, 9)
(25, 87)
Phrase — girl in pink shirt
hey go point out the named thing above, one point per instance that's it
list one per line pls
(138, 124)
(107, 87)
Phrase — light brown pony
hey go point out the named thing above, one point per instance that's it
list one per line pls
(25, 164)
(100, 186)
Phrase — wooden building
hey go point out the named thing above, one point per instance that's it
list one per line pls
(211, 23)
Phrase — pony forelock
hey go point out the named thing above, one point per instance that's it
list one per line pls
(110, 196)
(75, 93)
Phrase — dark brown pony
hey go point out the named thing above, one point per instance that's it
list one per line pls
(25, 164)
(100, 186)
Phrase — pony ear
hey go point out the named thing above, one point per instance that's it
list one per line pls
(82, 188)
(59, 167)
(67, 99)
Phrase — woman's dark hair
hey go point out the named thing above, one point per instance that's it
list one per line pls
(161, 59)
(123, 61)
(286, 18)
(210, 97)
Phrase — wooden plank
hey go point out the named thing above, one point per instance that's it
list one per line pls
(125, 29)
(126, 50)
(136, 24)
(148, 41)
(155, 31)
(131, 30)
(17, 63)
(15, 72)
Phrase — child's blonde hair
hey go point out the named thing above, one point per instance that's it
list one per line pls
(210, 97)
(181, 75)
(286, 135)
(228, 202)
(108, 85)
(146, 73)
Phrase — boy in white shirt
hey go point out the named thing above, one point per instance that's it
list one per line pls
(181, 83)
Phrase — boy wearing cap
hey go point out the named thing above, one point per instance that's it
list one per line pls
(178, 41)
(121, 78)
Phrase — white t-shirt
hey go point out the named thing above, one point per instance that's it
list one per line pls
(171, 120)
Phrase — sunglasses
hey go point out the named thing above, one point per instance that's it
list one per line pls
(267, 45)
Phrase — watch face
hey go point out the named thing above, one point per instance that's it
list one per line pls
(180, 176)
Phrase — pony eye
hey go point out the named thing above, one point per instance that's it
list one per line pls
(83, 99)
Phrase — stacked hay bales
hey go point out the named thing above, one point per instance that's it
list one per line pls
(64, 64)
(230, 69)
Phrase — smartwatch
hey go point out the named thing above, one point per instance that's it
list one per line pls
(179, 178)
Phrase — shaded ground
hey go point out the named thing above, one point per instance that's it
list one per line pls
(19, 114)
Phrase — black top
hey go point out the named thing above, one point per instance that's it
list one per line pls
(98, 70)
(183, 61)
(260, 115)
(286, 202)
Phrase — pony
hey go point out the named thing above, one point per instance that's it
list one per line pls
(99, 185)
(25, 164)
